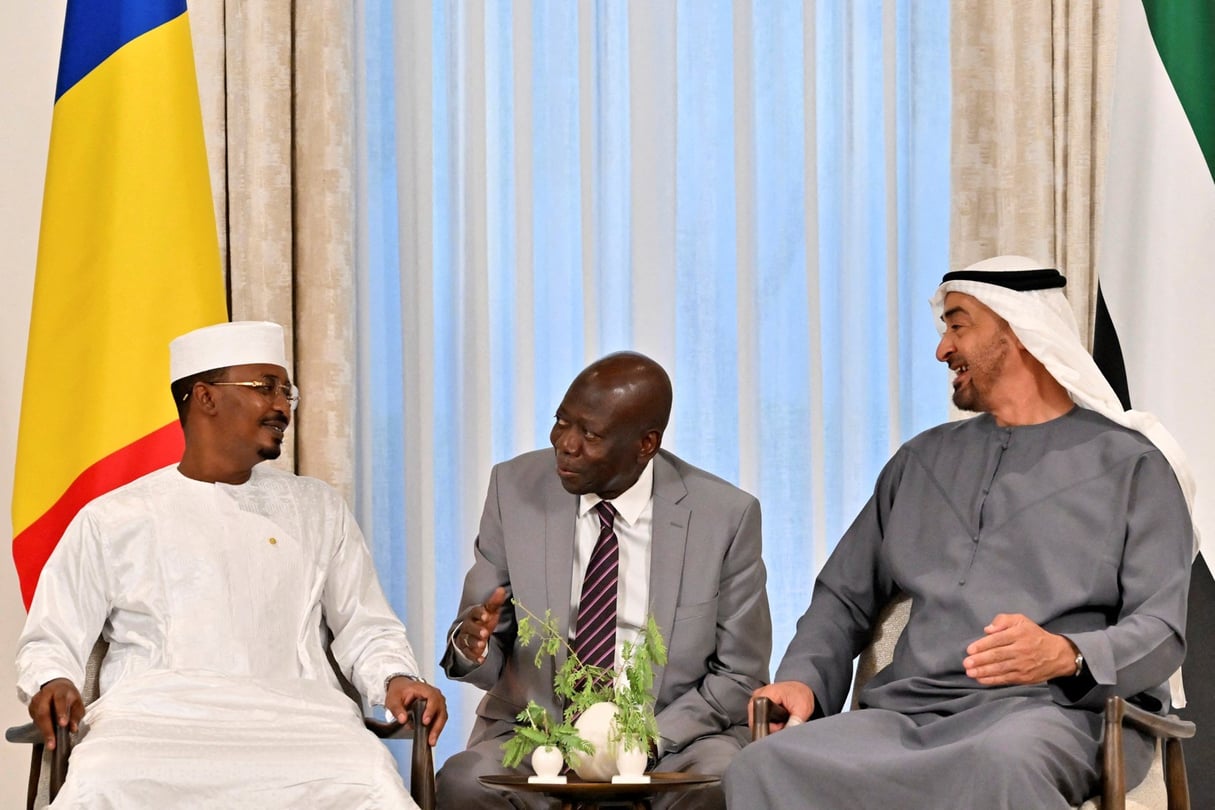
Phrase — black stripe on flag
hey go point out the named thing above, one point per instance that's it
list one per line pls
(1107, 351)
(1200, 652)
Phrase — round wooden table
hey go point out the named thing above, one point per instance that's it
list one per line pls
(578, 794)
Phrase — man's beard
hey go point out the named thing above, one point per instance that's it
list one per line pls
(968, 399)
(984, 369)
(270, 453)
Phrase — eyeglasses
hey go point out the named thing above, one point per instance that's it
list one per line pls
(270, 390)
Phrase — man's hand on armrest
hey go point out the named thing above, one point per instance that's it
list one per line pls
(793, 696)
(58, 702)
(403, 691)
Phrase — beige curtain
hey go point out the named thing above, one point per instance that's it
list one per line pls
(277, 91)
(1030, 105)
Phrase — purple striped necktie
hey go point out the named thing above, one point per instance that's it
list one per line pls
(595, 636)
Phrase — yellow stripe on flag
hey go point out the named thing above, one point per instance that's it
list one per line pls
(128, 259)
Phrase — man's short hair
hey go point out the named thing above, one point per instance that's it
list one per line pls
(182, 388)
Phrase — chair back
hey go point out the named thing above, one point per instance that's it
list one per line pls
(880, 652)
(91, 689)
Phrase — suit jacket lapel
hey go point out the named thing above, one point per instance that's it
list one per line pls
(668, 546)
(560, 514)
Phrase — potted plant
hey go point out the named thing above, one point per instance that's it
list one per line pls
(634, 729)
(549, 743)
(609, 712)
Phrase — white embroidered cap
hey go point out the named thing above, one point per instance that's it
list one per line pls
(226, 344)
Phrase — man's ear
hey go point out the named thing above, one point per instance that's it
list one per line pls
(203, 399)
(651, 440)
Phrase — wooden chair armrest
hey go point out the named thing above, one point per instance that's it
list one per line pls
(422, 767)
(59, 759)
(388, 730)
(30, 735)
(27, 733)
(764, 712)
(1142, 720)
(1171, 730)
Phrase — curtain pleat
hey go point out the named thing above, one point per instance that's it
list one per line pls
(321, 272)
(1029, 118)
(279, 103)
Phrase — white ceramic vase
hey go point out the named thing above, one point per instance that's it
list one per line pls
(546, 761)
(631, 761)
(594, 726)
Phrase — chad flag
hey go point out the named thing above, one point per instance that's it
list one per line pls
(128, 259)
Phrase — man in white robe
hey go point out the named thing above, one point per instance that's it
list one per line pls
(1045, 545)
(216, 582)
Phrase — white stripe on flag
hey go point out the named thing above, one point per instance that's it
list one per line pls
(1155, 256)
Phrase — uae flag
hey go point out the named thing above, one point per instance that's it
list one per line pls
(1156, 266)
(128, 258)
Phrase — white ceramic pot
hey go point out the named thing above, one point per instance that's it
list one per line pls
(631, 761)
(546, 761)
(594, 726)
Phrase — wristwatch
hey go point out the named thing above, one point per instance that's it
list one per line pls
(1079, 664)
(388, 680)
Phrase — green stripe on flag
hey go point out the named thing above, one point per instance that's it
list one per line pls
(1184, 32)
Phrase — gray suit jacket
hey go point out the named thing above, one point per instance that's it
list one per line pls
(706, 593)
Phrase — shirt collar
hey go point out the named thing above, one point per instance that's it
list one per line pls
(630, 503)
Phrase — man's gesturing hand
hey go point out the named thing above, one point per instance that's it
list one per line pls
(472, 636)
(1018, 651)
(58, 702)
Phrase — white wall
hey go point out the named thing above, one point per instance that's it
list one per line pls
(29, 54)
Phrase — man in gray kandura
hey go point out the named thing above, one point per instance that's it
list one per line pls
(688, 552)
(1045, 545)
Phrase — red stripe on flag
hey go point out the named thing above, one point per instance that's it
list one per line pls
(32, 547)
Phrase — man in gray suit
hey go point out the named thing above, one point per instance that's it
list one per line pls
(689, 553)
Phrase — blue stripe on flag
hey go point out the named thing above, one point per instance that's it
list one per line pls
(95, 29)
